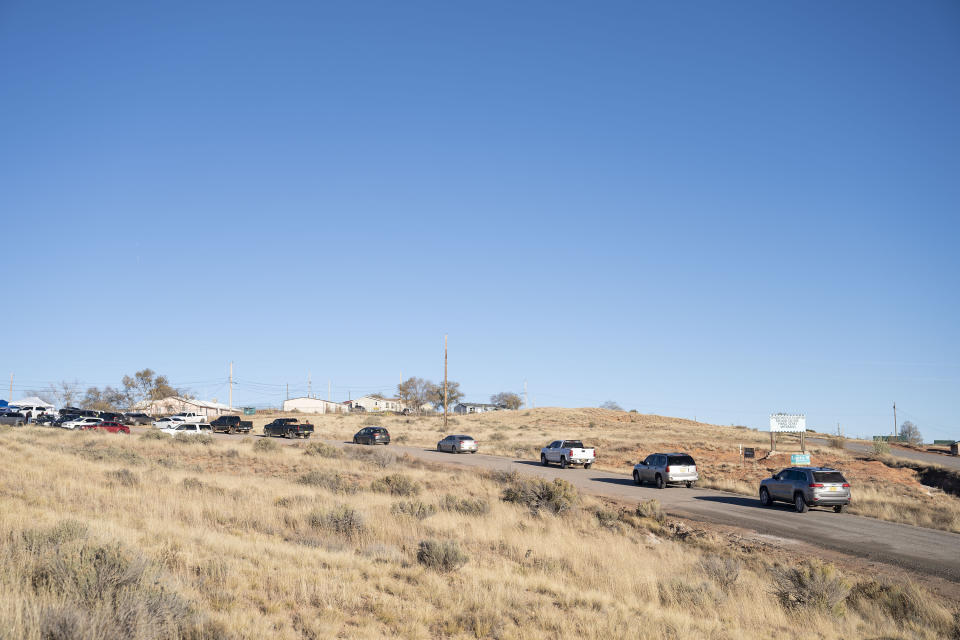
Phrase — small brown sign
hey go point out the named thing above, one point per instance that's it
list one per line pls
(748, 452)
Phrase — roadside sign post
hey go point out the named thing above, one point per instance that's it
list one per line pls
(800, 459)
(787, 423)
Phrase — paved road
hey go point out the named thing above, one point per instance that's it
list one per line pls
(950, 462)
(926, 550)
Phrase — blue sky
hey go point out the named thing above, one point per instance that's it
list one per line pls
(699, 209)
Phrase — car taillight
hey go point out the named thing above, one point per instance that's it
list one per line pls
(815, 484)
(668, 468)
(846, 484)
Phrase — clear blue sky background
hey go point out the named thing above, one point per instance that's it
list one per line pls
(703, 209)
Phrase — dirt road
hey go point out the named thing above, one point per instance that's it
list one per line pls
(925, 550)
(950, 462)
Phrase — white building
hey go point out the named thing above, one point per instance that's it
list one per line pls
(176, 404)
(476, 407)
(376, 403)
(314, 405)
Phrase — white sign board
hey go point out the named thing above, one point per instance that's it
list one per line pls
(788, 423)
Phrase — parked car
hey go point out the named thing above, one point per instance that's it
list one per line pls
(137, 418)
(372, 435)
(807, 487)
(189, 416)
(111, 426)
(567, 452)
(178, 429)
(168, 423)
(666, 468)
(80, 423)
(29, 411)
(288, 428)
(14, 418)
(458, 444)
(231, 424)
(109, 416)
(46, 419)
(358, 408)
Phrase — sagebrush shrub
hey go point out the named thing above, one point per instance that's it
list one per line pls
(442, 556)
(396, 484)
(153, 435)
(265, 444)
(330, 480)
(650, 509)
(413, 508)
(811, 585)
(466, 506)
(537, 494)
(323, 450)
(125, 477)
(724, 571)
(343, 520)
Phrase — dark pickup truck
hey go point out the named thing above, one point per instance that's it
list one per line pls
(231, 424)
(288, 428)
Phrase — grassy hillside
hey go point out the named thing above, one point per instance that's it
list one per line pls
(113, 536)
(881, 490)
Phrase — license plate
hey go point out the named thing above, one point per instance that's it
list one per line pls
(834, 488)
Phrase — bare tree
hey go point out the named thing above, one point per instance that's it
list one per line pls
(145, 386)
(414, 392)
(506, 399)
(454, 395)
(610, 404)
(911, 433)
(64, 393)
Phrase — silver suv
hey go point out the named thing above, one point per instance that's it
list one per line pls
(666, 468)
(807, 487)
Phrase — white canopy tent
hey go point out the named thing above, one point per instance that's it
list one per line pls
(32, 401)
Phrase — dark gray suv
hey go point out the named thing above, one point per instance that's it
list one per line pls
(806, 487)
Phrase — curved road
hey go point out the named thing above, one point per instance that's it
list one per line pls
(915, 548)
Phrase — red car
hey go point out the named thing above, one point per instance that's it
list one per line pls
(112, 427)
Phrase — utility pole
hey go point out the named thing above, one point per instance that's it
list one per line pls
(309, 385)
(329, 385)
(526, 405)
(11, 389)
(444, 382)
(894, 419)
(231, 385)
(288, 391)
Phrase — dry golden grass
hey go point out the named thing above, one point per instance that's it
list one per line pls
(622, 439)
(223, 540)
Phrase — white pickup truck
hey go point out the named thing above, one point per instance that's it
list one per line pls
(567, 452)
(185, 429)
(189, 417)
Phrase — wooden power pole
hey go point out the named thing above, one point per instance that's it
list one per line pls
(444, 382)
(894, 419)
(231, 385)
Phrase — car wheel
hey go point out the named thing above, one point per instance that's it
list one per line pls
(543, 459)
(799, 503)
(660, 483)
(587, 465)
(355, 441)
(840, 508)
(690, 485)
(563, 462)
(636, 478)
(765, 497)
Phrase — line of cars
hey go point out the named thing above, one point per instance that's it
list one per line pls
(804, 487)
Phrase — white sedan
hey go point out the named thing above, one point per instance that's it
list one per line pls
(168, 423)
(81, 422)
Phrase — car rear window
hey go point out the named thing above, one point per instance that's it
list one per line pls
(828, 476)
(681, 460)
(574, 444)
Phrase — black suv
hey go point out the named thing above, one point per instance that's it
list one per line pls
(372, 435)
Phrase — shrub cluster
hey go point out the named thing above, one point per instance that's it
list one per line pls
(650, 509)
(442, 556)
(154, 434)
(396, 484)
(125, 477)
(539, 495)
(78, 588)
(724, 571)
(466, 506)
(200, 439)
